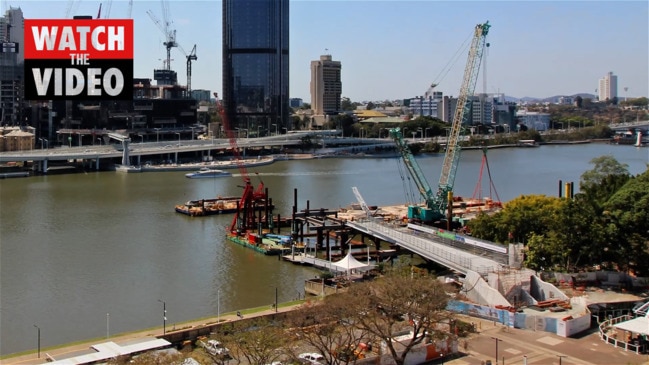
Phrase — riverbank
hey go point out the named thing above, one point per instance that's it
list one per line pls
(71, 350)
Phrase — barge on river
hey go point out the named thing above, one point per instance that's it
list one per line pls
(205, 207)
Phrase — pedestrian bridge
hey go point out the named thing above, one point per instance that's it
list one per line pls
(454, 254)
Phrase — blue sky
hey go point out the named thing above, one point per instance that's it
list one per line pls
(396, 49)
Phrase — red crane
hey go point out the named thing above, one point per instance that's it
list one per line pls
(251, 198)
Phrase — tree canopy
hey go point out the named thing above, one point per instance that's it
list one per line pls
(606, 225)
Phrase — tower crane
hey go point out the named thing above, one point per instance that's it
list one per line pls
(436, 202)
(190, 57)
(165, 28)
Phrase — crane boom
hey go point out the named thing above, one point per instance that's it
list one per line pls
(452, 156)
(361, 201)
(435, 203)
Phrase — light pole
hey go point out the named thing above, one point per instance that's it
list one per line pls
(43, 141)
(178, 134)
(39, 341)
(218, 306)
(497, 340)
(164, 316)
(107, 325)
(258, 130)
(421, 132)
(426, 132)
(286, 133)
(413, 136)
(80, 135)
(561, 357)
(99, 139)
(157, 134)
(275, 128)
(141, 138)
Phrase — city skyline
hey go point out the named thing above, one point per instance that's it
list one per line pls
(396, 50)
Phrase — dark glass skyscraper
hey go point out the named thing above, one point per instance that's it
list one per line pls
(255, 65)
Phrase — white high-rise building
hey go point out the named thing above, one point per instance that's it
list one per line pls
(326, 87)
(607, 87)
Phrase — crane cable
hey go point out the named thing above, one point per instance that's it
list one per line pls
(407, 185)
(454, 59)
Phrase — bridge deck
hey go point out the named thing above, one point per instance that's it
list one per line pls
(429, 247)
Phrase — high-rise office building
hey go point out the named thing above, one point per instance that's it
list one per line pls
(11, 66)
(326, 87)
(256, 64)
(607, 87)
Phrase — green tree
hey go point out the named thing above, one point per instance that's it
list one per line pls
(259, 341)
(628, 211)
(607, 169)
(401, 301)
(329, 328)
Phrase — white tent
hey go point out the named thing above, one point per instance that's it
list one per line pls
(636, 325)
(350, 263)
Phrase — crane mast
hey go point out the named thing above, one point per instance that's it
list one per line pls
(452, 156)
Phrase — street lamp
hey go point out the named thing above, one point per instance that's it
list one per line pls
(99, 139)
(39, 341)
(426, 132)
(561, 357)
(80, 135)
(286, 133)
(275, 128)
(43, 142)
(413, 136)
(157, 134)
(142, 138)
(421, 132)
(164, 316)
(497, 340)
(178, 138)
(218, 306)
(258, 130)
(107, 325)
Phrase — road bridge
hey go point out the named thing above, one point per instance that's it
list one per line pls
(432, 248)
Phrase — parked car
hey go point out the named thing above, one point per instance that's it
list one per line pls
(311, 358)
(214, 347)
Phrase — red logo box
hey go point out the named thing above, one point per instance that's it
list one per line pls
(78, 59)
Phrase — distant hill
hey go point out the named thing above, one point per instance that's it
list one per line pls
(551, 99)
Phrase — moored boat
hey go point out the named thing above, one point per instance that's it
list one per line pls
(206, 173)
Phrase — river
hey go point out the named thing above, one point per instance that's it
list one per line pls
(75, 248)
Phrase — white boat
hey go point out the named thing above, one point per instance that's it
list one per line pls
(128, 168)
(206, 172)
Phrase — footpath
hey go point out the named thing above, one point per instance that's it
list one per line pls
(491, 340)
(67, 351)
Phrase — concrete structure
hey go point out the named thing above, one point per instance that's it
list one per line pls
(326, 87)
(534, 120)
(256, 64)
(607, 89)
